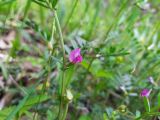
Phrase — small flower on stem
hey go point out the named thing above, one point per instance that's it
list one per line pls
(75, 56)
(145, 93)
(150, 79)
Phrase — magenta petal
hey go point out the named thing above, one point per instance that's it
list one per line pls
(80, 58)
(145, 93)
(75, 56)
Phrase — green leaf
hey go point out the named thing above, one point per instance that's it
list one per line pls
(84, 117)
(50, 115)
(105, 117)
(54, 3)
(4, 2)
(146, 115)
(32, 101)
(4, 112)
(15, 47)
(103, 73)
(27, 8)
(14, 112)
(69, 74)
(41, 3)
(138, 113)
(23, 106)
(4, 70)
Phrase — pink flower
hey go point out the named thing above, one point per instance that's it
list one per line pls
(145, 92)
(75, 56)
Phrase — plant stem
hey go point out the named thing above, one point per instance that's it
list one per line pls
(65, 111)
(60, 115)
(149, 108)
(61, 37)
(147, 104)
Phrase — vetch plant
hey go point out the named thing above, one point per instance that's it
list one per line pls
(45, 32)
(74, 57)
(145, 93)
(66, 95)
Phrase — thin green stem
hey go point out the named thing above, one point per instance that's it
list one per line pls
(60, 115)
(61, 37)
(147, 104)
(149, 108)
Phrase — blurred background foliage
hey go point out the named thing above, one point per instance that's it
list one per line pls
(120, 44)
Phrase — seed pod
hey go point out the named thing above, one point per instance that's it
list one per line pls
(68, 96)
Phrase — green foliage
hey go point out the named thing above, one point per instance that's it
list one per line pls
(15, 47)
(119, 42)
(147, 104)
(13, 113)
(85, 117)
(24, 105)
(54, 3)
